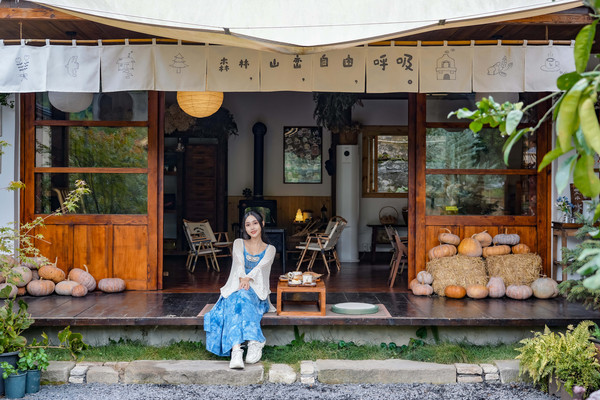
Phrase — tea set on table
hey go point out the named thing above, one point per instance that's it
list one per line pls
(299, 278)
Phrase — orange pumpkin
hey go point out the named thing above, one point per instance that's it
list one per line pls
(484, 238)
(22, 291)
(40, 287)
(51, 272)
(521, 248)
(496, 250)
(422, 290)
(519, 292)
(470, 247)
(443, 250)
(449, 238)
(455, 292)
(477, 291)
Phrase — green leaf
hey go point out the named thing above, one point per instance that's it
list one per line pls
(593, 282)
(514, 138)
(585, 178)
(563, 173)
(512, 120)
(597, 213)
(465, 113)
(549, 157)
(421, 332)
(566, 81)
(475, 126)
(583, 46)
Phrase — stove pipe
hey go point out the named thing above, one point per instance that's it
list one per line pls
(259, 130)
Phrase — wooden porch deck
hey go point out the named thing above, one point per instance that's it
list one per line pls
(185, 295)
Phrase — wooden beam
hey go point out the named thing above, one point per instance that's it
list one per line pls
(36, 14)
(552, 19)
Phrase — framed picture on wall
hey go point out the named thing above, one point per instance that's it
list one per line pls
(302, 154)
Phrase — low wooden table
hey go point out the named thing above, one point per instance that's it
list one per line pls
(283, 287)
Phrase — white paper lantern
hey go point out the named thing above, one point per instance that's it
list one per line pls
(200, 104)
(69, 101)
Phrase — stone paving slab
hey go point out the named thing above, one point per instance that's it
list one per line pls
(384, 371)
(508, 370)
(192, 372)
(58, 372)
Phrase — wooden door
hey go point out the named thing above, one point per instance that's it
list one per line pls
(116, 233)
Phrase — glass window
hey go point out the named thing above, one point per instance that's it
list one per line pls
(462, 149)
(114, 106)
(80, 146)
(481, 194)
(386, 167)
(110, 193)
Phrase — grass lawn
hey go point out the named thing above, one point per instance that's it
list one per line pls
(298, 350)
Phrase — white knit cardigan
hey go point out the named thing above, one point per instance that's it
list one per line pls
(259, 275)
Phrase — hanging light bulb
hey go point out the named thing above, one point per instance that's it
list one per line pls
(70, 102)
(200, 104)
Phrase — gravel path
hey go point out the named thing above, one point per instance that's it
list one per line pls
(297, 391)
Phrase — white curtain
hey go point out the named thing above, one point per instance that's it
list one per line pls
(127, 68)
(340, 70)
(285, 72)
(498, 68)
(178, 67)
(73, 69)
(543, 64)
(392, 69)
(233, 69)
(23, 68)
(445, 69)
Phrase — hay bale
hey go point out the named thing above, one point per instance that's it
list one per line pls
(515, 269)
(456, 270)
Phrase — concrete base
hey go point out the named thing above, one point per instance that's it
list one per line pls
(281, 335)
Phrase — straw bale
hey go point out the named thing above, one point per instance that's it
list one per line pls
(456, 270)
(515, 269)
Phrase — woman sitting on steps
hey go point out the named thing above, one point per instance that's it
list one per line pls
(244, 299)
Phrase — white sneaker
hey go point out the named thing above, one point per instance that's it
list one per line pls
(237, 361)
(254, 351)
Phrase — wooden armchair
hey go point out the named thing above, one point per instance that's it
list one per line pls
(200, 245)
(324, 244)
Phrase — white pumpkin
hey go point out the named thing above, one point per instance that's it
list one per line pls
(544, 288)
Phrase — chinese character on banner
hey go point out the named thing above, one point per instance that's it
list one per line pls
(392, 69)
(286, 72)
(340, 70)
(232, 69)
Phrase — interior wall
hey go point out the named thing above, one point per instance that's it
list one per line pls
(275, 110)
(9, 165)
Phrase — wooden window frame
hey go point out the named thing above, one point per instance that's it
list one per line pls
(369, 172)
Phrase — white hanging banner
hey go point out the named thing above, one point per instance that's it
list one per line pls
(285, 72)
(73, 69)
(340, 70)
(232, 69)
(445, 69)
(392, 69)
(498, 68)
(23, 68)
(178, 67)
(127, 68)
(544, 64)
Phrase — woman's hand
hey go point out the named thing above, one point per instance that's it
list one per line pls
(245, 283)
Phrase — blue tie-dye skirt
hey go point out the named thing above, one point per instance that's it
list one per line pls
(233, 320)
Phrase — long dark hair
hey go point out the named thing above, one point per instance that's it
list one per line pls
(259, 218)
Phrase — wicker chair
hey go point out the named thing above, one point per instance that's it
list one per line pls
(324, 244)
(200, 245)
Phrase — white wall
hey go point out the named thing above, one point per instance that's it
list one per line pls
(9, 165)
(275, 110)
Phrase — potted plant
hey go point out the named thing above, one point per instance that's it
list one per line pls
(34, 360)
(561, 359)
(334, 112)
(12, 323)
(14, 380)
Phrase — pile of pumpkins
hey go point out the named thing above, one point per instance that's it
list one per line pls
(42, 278)
(542, 288)
(478, 245)
(483, 245)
